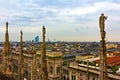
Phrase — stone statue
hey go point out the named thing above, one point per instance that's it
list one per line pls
(21, 32)
(101, 22)
(102, 25)
(43, 29)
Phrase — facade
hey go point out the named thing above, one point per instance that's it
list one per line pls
(27, 64)
(65, 73)
(54, 65)
(56, 69)
(32, 65)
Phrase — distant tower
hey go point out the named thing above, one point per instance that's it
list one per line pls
(36, 39)
(21, 59)
(103, 57)
(7, 67)
(43, 58)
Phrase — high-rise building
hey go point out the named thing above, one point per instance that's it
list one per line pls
(36, 39)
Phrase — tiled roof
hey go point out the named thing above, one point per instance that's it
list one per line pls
(112, 61)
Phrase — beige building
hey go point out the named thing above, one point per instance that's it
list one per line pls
(32, 65)
(54, 64)
(79, 72)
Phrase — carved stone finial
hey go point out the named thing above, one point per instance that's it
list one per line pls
(7, 64)
(21, 69)
(6, 27)
(6, 23)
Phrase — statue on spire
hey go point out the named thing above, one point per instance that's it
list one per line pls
(21, 32)
(7, 26)
(102, 19)
(102, 22)
(44, 30)
(103, 56)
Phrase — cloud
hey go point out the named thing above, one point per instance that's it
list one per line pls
(59, 16)
(28, 12)
(2, 30)
(97, 6)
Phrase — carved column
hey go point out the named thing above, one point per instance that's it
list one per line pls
(7, 67)
(87, 69)
(43, 58)
(34, 67)
(21, 60)
(103, 57)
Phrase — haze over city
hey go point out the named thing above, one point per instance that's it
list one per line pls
(65, 20)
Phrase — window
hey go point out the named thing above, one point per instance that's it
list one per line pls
(67, 72)
(73, 77)
(64, 71)
(80, 74)
(58, 70)
(68, 78)
(51, 69)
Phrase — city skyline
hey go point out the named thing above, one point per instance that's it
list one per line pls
(65, 20)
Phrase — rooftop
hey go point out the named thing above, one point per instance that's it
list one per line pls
(54, 54)
(92, 69)
(112, 61)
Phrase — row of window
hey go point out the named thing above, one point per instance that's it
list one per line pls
(65, 71)
(73, 77)
(57, 70)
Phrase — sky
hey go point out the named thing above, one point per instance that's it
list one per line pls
(65, 20)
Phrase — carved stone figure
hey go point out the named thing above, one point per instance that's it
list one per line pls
(102, 22)
(43, 29)
(102, 25)
(21, 33)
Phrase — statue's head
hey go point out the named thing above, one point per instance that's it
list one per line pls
(7, 22)
(102, 14)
